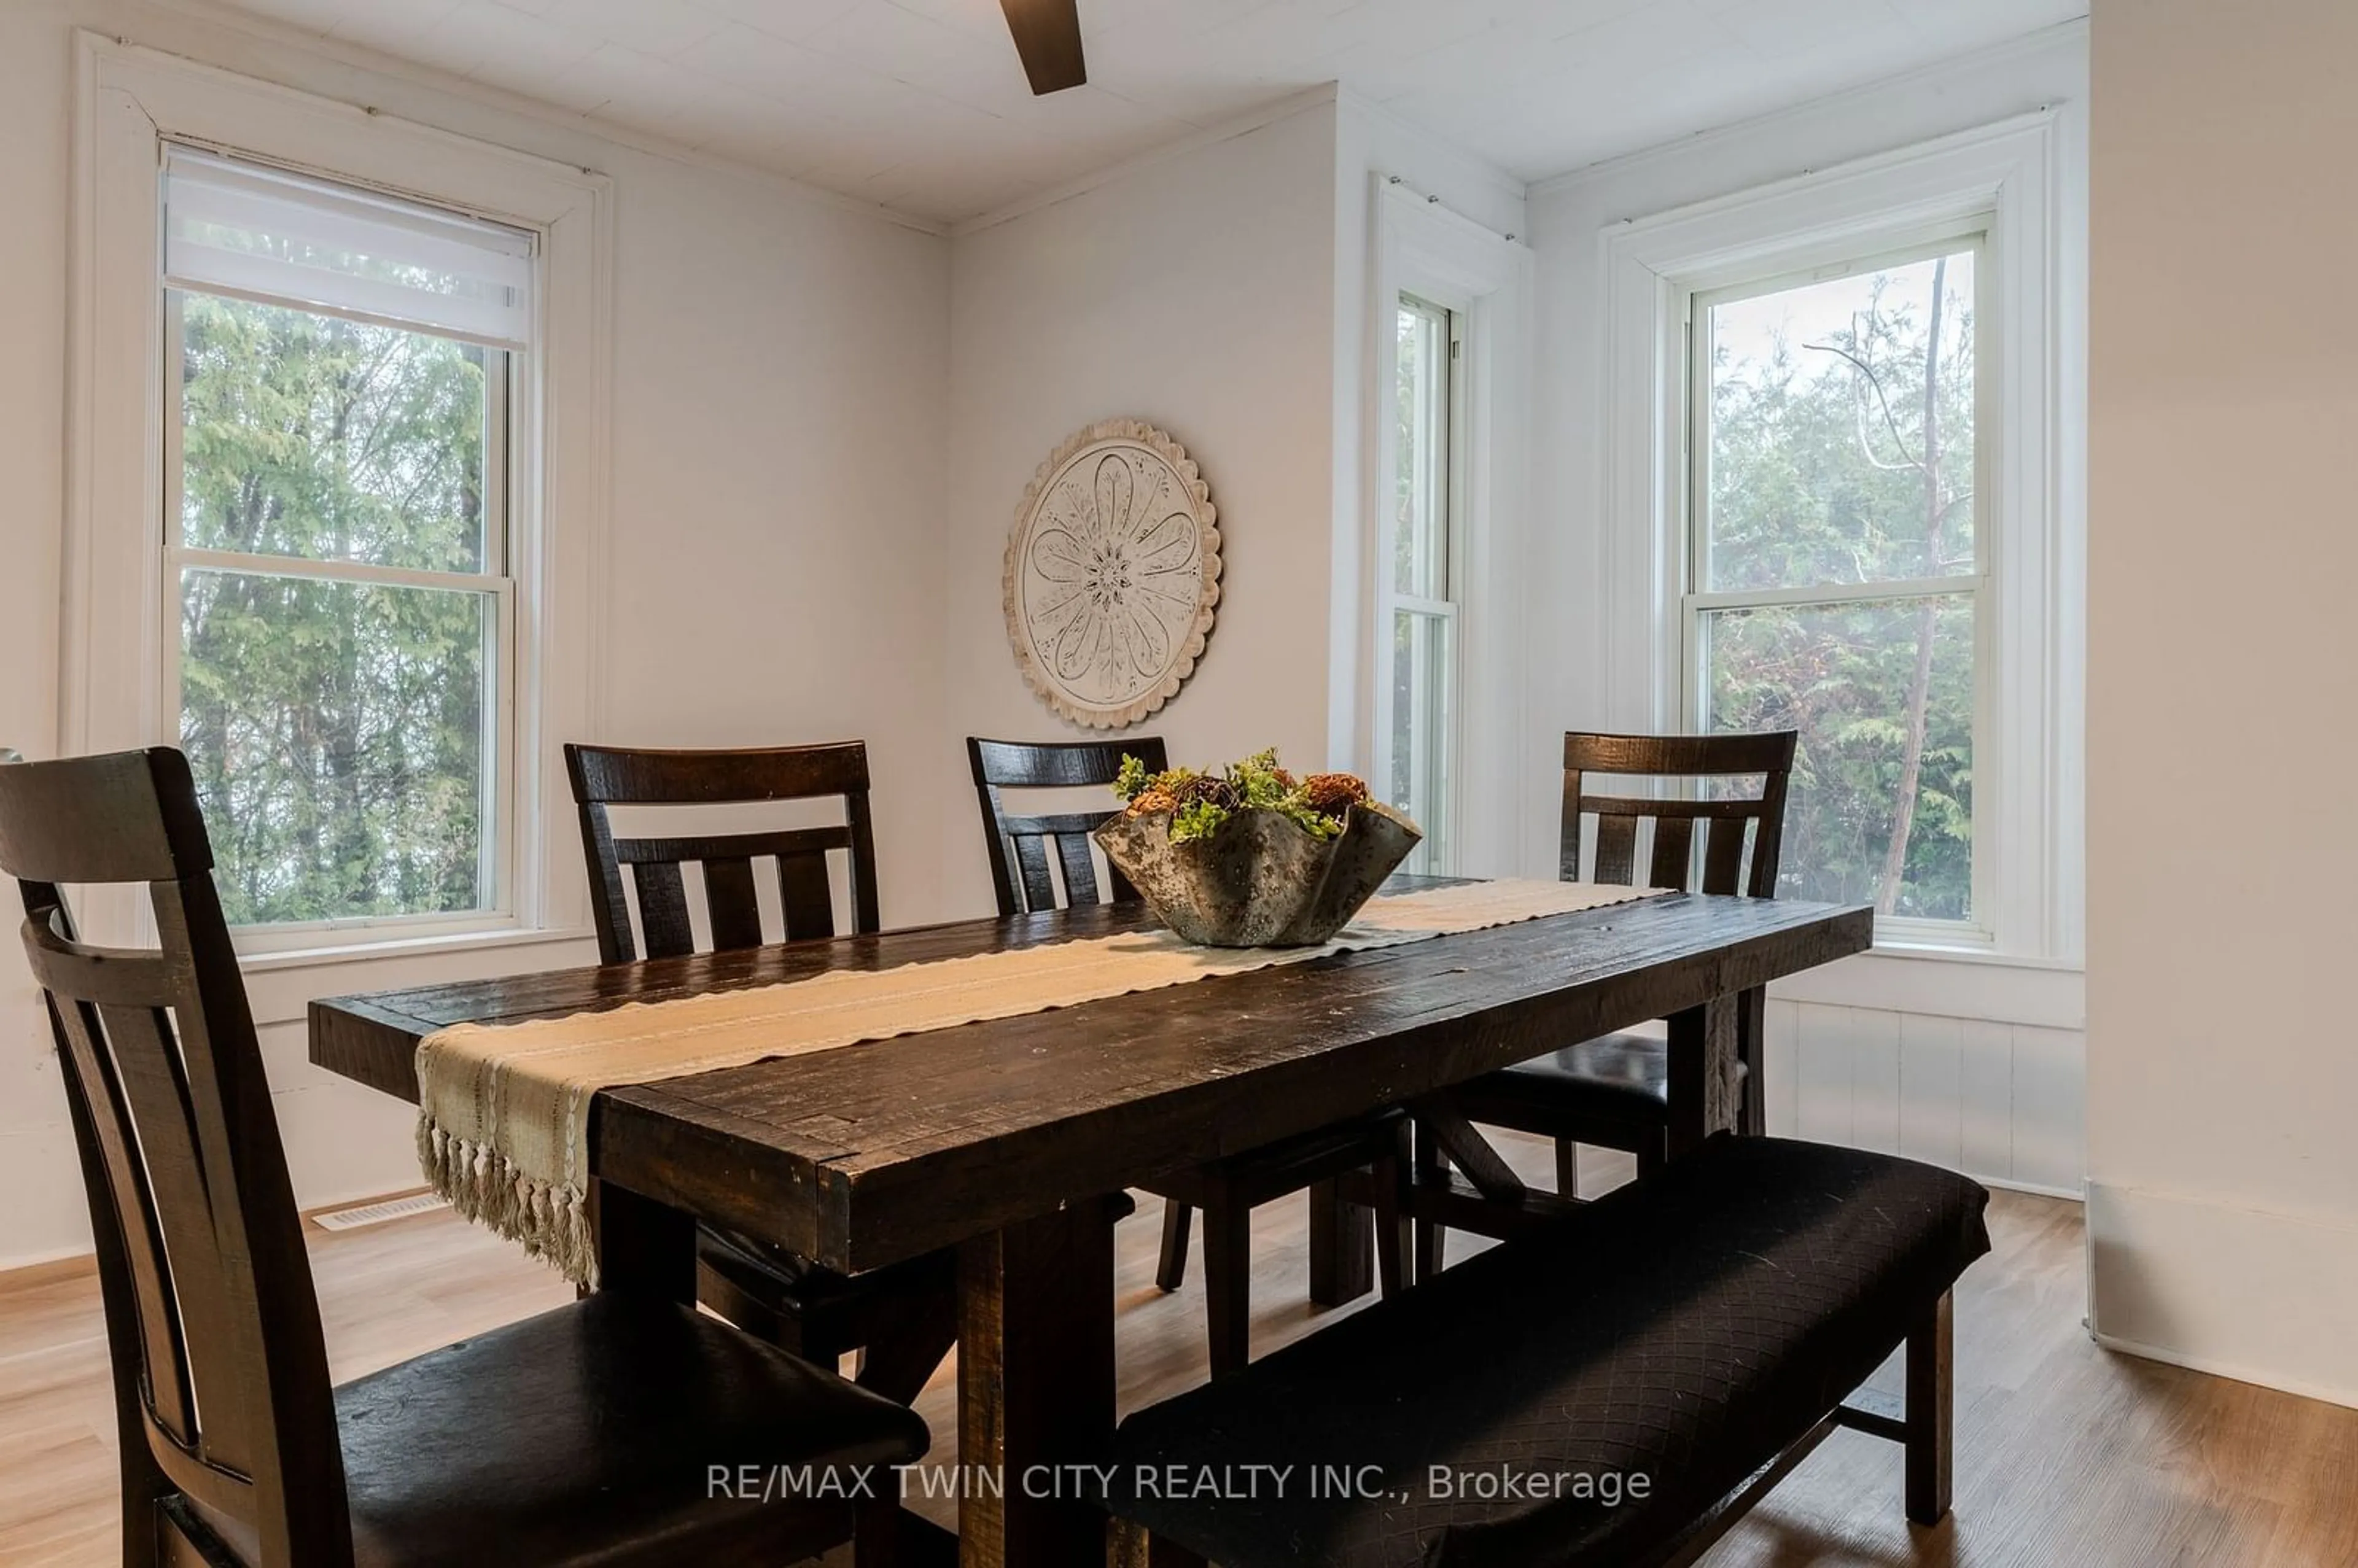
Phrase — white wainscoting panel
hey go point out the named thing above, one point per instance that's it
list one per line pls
(2003, 1102)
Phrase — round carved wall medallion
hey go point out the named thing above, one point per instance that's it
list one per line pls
(1113, 574)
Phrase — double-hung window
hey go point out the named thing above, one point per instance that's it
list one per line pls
(1421, 603)
(340, 591)
(1837, 567)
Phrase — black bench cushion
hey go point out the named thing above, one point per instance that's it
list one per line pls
(1686, 1328)
(587, 1434)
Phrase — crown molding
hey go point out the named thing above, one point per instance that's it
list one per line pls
(523, 106)
(2018, 47)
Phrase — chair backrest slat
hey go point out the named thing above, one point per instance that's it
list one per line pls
(604, 777)
(1723, 853)
(1020, 847)
(221, 1371)
(664, 929)
(1674, 860)
(1768, 756)
(730, 902)
(82, 1043)
(1080, 871)
(1616, 848)
(1032, 862)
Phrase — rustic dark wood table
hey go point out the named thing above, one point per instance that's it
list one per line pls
(1011, 1140)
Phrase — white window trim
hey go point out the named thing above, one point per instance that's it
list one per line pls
(2015, 177)
(112, 676)
(1422, 248)
(1449, 608)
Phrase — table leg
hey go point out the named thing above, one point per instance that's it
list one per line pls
(1752, 1045)
(643, 1245)
(1342, 1256)
(1035, 1387)
(1704, 1099)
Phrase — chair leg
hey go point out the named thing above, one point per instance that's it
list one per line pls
(1432, 1170)
(1567, 1168)
(1932, 1412)
(1390, 1174)
(1171, 1271)
(1228, 1284)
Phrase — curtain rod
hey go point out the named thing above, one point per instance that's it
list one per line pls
(1432, 201)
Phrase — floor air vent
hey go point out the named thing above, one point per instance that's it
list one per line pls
(378, 1213)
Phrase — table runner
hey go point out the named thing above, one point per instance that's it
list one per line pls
(503, 1109)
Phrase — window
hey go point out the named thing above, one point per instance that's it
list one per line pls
(1422, 603)
(1837, 566)
(339, 373)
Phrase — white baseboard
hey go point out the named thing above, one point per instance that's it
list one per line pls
(2233, 1371)
(54, 1259)
(2252, 1294)
(2036, 1189)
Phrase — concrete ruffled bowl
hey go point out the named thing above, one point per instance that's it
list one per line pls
(1260, 880)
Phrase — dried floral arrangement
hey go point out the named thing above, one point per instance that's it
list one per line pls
(1201, 803)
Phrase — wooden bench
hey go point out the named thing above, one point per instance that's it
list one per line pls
(1616, 1387)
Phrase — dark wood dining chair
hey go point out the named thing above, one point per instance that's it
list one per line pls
(582, 1435)
(902, 1320)
(1019, 847)
(1613, 1092)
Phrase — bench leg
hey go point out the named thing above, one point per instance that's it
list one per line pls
(876, 1533)
(1129, 1546)
(1171, 1269)
(1932, 1412)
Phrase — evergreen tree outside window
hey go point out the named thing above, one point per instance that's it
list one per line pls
(337, 560)
(1837, 566)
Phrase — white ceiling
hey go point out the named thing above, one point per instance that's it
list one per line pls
(920, 106)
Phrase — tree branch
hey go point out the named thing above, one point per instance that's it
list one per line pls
(1874, 382)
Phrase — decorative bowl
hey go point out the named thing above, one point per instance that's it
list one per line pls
(1260, 880)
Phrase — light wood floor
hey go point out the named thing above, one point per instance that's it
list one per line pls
(2065, 1455)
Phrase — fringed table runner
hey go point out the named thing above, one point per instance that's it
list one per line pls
(504, 1117)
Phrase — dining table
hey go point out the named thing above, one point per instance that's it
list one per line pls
(1011, 1141)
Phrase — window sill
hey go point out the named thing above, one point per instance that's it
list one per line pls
(1949, 982)
(389, 950)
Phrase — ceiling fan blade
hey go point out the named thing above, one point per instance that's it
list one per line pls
(1048, 37)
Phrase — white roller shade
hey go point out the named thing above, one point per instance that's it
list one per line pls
(241, 228)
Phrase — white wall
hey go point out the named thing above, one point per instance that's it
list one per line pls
(1371, 145)
(2223, 1174)
(1876, 1045)
(823, 423)
(1222, 292)
(1194, 291)
(779, 366)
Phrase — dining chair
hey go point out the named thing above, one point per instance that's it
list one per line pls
(1019, 848)
(1613, 1092)
(903, 1319)
(582, 1435)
